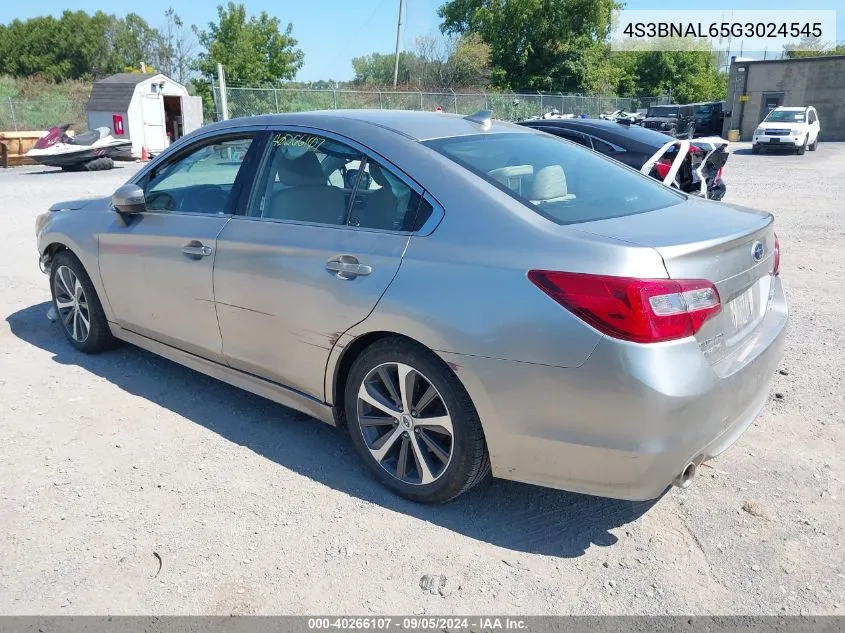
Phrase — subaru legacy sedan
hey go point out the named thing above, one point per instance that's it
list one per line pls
(468, 297)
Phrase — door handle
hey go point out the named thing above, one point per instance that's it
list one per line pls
(347, 267)
(196, 249)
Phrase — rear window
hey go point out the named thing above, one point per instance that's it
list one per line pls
(558, 179)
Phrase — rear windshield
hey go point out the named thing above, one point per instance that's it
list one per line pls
(559, 180)
(663, 111)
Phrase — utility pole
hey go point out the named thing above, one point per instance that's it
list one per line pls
(398, 37)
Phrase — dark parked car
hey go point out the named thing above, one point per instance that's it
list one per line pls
(646, 150)
(674, 120)
(709, 118)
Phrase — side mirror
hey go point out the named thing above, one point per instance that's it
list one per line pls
(129, 199)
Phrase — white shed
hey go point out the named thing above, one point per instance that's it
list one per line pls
(150, 110)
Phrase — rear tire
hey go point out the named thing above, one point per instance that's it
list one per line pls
(81, 315)
(103, 163)
(413, 448)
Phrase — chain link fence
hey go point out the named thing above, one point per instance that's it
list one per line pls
(510, 106)
(39, 114)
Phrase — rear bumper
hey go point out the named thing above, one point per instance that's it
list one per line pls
(627, 421)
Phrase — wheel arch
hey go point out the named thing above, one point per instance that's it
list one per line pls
(350, 351)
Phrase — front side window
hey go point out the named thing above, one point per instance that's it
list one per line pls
(200, 181)
(558, 180)
(310, 178)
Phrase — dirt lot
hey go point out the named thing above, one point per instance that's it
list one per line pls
(105, 460)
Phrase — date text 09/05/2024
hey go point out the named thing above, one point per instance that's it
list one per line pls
(722, 29)
(416, 623)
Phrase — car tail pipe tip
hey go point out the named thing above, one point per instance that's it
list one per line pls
(684, 479)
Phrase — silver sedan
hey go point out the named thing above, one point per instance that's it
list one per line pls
(467, 296)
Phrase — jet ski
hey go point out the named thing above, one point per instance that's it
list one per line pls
(94, 150)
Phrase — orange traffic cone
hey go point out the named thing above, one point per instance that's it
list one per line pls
(145, 156)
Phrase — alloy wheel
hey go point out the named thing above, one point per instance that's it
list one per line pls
(405, 423)
(72, 304)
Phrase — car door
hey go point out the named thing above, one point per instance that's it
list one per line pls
(813, 121)
(322, 238)
(157, 267)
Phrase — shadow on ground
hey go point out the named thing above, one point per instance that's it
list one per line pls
(769, 152)
(511, 515)
(49, 171)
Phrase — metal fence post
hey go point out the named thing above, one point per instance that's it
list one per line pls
(455, 97)
(276, 97)
(12, 114)
(421, 102)
(486, 102)
(224, 105)
(380, 103)
(334, 99)
(541, 102)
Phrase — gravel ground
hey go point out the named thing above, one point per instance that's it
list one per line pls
(106, 460)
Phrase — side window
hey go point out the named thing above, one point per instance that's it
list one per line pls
(310, 178)
(575, 137)
(199, 182)
(384, 201)
(812, 118)
(601, 146)
(306, 178)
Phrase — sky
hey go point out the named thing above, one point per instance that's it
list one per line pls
(332, 32)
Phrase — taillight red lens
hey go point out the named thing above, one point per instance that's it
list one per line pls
(662, 167)
(117, 124)
(776, 258)
(639, 310)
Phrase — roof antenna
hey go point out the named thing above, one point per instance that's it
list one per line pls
(483, 117)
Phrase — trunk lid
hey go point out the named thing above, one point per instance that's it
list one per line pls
(720, 243)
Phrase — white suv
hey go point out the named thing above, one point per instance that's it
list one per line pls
(793, 128)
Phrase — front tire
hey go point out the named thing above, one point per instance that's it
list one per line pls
(755, 149)
(815, 144)
(76, 302)
(413, 423)
(803, 147)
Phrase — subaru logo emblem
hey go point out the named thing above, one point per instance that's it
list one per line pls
(757, 251)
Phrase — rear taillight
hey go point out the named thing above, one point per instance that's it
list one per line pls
(662, 167)
(639, 310)
(776, 258)
(117, 124)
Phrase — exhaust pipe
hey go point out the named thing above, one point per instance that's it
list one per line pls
(685, 478)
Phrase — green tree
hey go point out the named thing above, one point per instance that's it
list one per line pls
(253, 51)
(436, 63)
(536, 44)
(178, 48)
(376, 69)
(688, 75)
(78, 45)
(812, 47)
